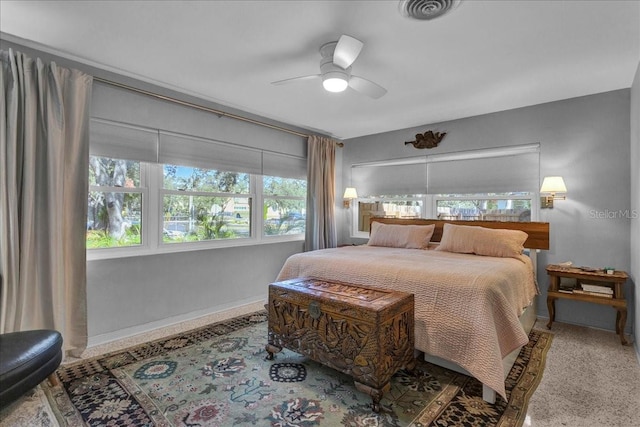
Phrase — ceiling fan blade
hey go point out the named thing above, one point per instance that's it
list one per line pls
(346, 51)
(295, 79)
(366, 87)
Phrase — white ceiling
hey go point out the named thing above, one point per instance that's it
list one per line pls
(484, 56)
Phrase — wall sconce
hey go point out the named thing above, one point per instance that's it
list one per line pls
(552, 185)
(350, 193)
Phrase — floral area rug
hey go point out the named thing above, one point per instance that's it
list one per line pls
(218, 376)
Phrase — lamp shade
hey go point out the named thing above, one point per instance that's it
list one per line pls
(553, 184)
(350, 193)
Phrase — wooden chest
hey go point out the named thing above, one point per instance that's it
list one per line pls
(365, 332)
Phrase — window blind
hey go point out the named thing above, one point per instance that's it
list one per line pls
(511, 169)
(120, 141)
(398, 177)
(205, 153)
(124, 141)
(492, 170)
(283, 165)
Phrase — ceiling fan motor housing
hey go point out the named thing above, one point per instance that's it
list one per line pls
(327, 49)
(329, 70)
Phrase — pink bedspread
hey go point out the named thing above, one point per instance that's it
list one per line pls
(467, 306)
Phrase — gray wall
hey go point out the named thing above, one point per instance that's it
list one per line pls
(635, 196)
(585, 140)
(125, 294)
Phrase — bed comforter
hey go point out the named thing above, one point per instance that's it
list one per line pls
(466, 306)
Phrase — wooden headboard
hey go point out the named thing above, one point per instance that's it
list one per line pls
(538, 231)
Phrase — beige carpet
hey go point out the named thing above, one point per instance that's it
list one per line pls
(590, 380)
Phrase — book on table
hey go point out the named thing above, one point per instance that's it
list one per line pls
(567, 287)
(597, 289)
(597, 294)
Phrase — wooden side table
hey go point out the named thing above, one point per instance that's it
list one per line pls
(615, 281)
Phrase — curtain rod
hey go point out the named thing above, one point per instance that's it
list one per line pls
(218, 113)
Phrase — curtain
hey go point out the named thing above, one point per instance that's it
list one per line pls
(44, 149)
(321, 166)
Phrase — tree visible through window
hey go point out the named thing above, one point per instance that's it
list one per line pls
(284, 209)
(114, 215)
(203, 204)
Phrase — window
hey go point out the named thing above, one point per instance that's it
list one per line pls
(409, 206)
(154, 191)
(484, 207)
(495, 184)
(284, 208)
(204, 204)
(114, 216)
(453, 207)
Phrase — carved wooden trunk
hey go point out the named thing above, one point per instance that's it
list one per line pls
(364, 332)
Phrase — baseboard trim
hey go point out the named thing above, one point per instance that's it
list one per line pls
(627, 330)
(224, 311)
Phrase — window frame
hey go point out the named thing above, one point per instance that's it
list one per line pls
(143, 189)
(265, 197)
(163, 191)
(355, 212)
(532, 197)
(430, 201)
(151, 174)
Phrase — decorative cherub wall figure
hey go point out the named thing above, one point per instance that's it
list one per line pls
(427, 139)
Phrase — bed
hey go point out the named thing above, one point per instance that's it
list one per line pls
(469, 307)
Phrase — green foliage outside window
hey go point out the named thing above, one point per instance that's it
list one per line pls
(197, 217)
(284, 209)
(114, 214)
(197, 204)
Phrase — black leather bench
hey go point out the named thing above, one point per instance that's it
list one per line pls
(26, 359)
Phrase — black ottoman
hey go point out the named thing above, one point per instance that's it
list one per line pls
(26, 359)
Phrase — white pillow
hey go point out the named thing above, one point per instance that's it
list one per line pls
(400, 236)
(467, 239)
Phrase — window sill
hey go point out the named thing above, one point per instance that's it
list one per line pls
(130, 252)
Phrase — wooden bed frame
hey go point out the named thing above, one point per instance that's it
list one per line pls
(538, 233)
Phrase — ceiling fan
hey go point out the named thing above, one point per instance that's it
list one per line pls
(335, 69)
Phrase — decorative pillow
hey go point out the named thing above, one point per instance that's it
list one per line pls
(400, 236)
(467, 239)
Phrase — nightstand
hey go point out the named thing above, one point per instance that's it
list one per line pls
(614, 281)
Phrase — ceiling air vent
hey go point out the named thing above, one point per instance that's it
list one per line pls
(426, 9)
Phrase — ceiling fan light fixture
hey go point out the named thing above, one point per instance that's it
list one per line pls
(334, 82)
